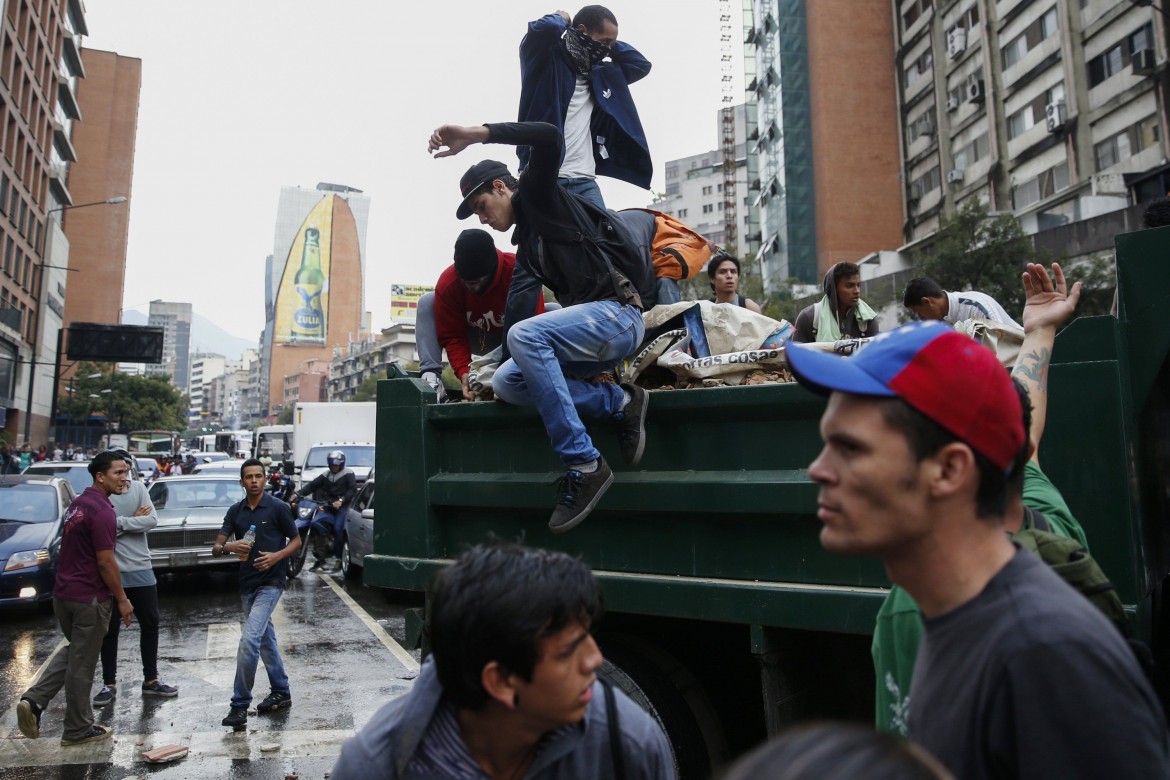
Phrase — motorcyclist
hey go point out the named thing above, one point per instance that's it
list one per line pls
(333, 491)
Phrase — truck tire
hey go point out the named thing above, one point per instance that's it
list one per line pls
(669, 693)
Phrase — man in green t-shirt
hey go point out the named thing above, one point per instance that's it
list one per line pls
(898, 631)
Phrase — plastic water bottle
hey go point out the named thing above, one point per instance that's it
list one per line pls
(250, 538)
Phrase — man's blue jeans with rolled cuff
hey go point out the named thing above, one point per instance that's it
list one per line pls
(258, 641)
(554, 353)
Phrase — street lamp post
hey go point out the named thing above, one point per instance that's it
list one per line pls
(32, 369)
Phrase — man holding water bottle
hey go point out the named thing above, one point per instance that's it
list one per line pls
(264, 535)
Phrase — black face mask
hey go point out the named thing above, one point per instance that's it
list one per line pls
(584, 52)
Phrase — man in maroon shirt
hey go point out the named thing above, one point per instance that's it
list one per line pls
(87, 586)
(465, 313)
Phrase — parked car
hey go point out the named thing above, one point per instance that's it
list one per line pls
(76, 472)
(32, 512)
(358, 541)
(190, 513)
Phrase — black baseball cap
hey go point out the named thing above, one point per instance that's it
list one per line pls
(484, 172)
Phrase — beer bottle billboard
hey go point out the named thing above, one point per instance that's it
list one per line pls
(308, 322)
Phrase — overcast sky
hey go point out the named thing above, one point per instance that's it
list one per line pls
(240, 98)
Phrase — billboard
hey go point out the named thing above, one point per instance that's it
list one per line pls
(302, 299)
(404, 300)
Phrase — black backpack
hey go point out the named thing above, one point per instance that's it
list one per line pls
(1076, 567)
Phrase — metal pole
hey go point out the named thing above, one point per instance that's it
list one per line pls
(56, 385)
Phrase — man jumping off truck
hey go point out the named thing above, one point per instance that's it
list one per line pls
(592, 265)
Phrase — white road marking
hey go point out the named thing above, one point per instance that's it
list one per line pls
(123, 750)
(223, 639)
(400, 652)
(10, 716)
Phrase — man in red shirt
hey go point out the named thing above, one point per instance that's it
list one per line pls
(465, 313)
(88, 585)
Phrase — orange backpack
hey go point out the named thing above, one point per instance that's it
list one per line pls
(678, 252)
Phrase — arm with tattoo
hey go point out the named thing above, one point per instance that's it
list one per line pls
(1048, 305)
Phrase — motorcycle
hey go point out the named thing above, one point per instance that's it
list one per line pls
(280, 485)
(314, 531)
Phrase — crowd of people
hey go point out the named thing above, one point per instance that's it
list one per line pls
(15, 460)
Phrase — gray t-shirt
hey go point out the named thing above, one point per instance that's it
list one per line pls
(1029, 680)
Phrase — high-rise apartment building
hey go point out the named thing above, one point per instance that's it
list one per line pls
(175, 320)
(40, 62)
(694, 190)
(821, 75)
(1052, 109)
(314, 280)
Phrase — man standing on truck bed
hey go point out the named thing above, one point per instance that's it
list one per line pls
(592, 264)
(1018, 675)
(576, 75)
(511, 686)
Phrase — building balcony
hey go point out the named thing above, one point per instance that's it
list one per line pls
(57, 176)
(66, 98)
(62, 142)
(72, 52)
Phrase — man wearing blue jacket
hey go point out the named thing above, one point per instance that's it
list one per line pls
(576, 75)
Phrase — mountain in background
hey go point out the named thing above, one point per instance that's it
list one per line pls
(206, 336)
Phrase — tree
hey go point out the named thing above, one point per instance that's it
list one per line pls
(975, 250)
(127, 401)
(286, 416)
(367, 390)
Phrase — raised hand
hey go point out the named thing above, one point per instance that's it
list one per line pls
(455, 138)
(1049, 302)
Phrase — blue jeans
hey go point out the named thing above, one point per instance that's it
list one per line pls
(585, 187)
(551, 356)
(258, 641)
(334, 518)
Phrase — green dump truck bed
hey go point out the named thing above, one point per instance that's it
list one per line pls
(708, 553)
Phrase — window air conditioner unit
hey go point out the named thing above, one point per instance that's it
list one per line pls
(952, 103)
(956, 42)
(1056, 116)
(925, 125)
(1142, 62)
(975, 91)
(955, 176)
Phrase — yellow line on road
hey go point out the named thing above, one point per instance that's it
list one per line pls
(400, 652)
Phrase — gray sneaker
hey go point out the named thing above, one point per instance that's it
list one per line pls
(96, 734)
(630, 424)
(28, 718)
(104, 696)
(577, 494)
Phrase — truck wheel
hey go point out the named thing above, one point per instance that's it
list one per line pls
(670, 694)
(297, 562)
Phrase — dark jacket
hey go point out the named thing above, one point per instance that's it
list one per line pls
(550, 225)
(329, 487)
(547, 81)
(385, 746)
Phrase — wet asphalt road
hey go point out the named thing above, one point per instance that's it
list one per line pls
(341, 644)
